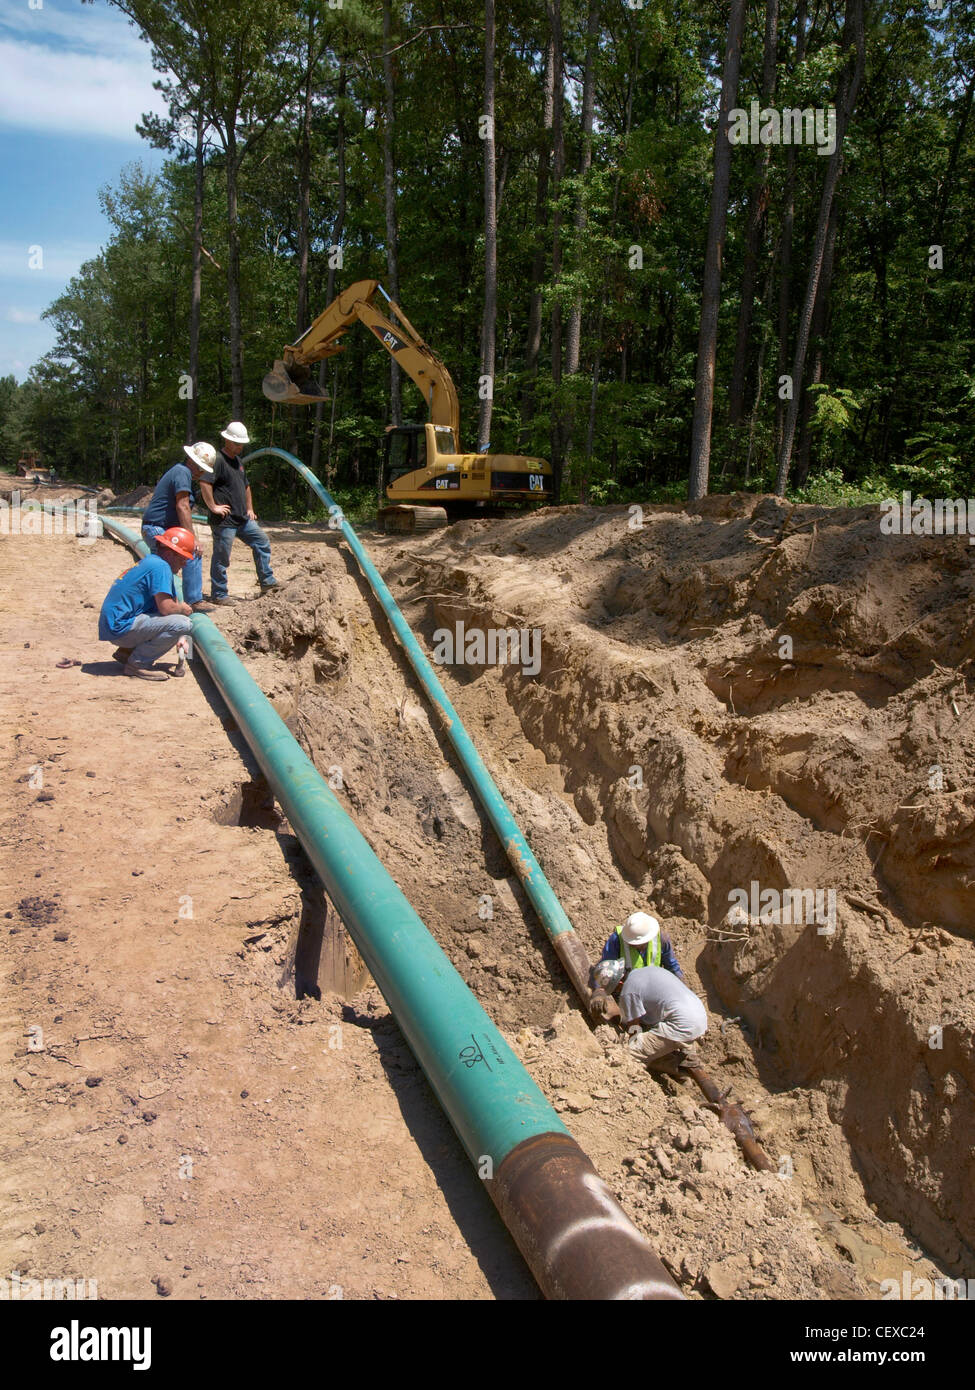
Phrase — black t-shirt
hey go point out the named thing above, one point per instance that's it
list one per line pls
(229, 486)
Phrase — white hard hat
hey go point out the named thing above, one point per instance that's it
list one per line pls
(202, 454)
(640, 928)
(236, 433)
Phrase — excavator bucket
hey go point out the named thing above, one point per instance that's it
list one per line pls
(298, 387)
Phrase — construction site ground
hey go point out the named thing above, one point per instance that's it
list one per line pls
(177, 1123)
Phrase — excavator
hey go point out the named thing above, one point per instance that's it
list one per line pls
(422, 465)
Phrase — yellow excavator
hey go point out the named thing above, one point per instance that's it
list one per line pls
(422, 465)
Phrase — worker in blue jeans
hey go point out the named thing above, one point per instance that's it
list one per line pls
(172, 505)
(231, 506)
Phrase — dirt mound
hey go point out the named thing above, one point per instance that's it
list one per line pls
(780, 697)
(136, 499)
(627, 771)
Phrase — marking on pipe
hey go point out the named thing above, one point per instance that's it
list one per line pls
(615, 1217)
(472, 1054)
(645, 1288)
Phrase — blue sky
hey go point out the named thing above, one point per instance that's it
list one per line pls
(74, 79)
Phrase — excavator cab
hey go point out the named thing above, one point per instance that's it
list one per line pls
(404, 451)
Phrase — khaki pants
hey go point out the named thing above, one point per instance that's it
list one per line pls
(650, 1047)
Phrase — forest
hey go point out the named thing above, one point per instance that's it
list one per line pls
(595, 211)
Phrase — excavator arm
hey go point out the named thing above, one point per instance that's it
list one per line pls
(291, 381)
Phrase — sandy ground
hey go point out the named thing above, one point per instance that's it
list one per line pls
(186, 1127)
(228, 1131)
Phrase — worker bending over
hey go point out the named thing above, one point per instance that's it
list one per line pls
(172, 505)
(141, 611)
(662, 1017)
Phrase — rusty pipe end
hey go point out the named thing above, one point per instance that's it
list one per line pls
(575, 962)
(578, 1241)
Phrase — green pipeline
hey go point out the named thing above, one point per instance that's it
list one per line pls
(575, 1237)
(493, 1102)
(137, 511)
(491, 1099)
(539, 890)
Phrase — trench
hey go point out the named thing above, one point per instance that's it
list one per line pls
(560, 768)
(830, 1021)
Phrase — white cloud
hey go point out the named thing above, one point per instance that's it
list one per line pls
(15, 315)
(74, 71)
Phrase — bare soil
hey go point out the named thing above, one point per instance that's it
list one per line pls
(306, 1123)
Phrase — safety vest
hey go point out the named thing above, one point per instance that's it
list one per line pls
(633, 957)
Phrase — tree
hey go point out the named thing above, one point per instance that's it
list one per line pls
(489, 317)
(711, 288)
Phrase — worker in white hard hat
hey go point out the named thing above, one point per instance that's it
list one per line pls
(231, 506)
(662, 1017)
(172, 505)
(639, 942)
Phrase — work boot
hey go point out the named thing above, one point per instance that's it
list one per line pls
(223, 600)
(122, 654)
(145, 673)
(266, 588)
(202, 606)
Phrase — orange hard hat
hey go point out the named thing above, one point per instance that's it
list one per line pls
(179, 539)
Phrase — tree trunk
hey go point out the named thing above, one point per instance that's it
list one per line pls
(785, 261)
(338, 228)
(558, 164)
(711, 288)
(820, 321)
(196, 283)
(389, 199)
(849, 85)
(489, 320)
(573, 336)
(304, 189)
(233, 278)
(756, 218)
(534, 339)
(614, 217)
(304, 210)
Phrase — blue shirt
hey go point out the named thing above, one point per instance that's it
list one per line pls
(132, 594)
(161, 510)
(668, 960)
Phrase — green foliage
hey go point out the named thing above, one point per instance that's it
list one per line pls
(896, 348)
(830, 489)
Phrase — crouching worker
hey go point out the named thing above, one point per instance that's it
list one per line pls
(662, 1017)
(141, 611)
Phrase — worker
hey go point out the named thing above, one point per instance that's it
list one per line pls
(231, 507)
(141, 611)
(172, 505)
(639, 941)
(661, 1016)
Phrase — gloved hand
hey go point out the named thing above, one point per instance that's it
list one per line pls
(604, 1006)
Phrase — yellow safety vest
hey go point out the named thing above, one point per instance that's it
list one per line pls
(634, 957)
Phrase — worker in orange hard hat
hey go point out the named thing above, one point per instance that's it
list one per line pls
(141, 611)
